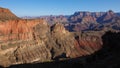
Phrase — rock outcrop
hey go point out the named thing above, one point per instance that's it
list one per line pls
(21, 43)
(107, 17)
(6, 14)
(88, 43)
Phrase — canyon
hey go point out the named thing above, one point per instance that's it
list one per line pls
(84, 20)
(40, 40)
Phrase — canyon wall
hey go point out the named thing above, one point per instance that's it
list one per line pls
(30, 41)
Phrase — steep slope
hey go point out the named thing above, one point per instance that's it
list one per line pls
(6, 14)
(107, 17)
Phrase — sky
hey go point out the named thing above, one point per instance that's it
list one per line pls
(58, 7)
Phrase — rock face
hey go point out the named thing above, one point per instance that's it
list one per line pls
(30, 41)
(82, 21)
(20, 42)
(107, 17)
(17, 29)
(6, 14)
(88, 43)
(100, 17)
(55, 19)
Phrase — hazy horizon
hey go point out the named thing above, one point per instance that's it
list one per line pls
(58, 7)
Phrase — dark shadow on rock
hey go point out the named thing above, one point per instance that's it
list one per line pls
(108, 56)
(57, 64)
(1, 67)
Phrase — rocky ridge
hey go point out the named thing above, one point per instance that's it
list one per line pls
(84, 20)
(6, 14)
